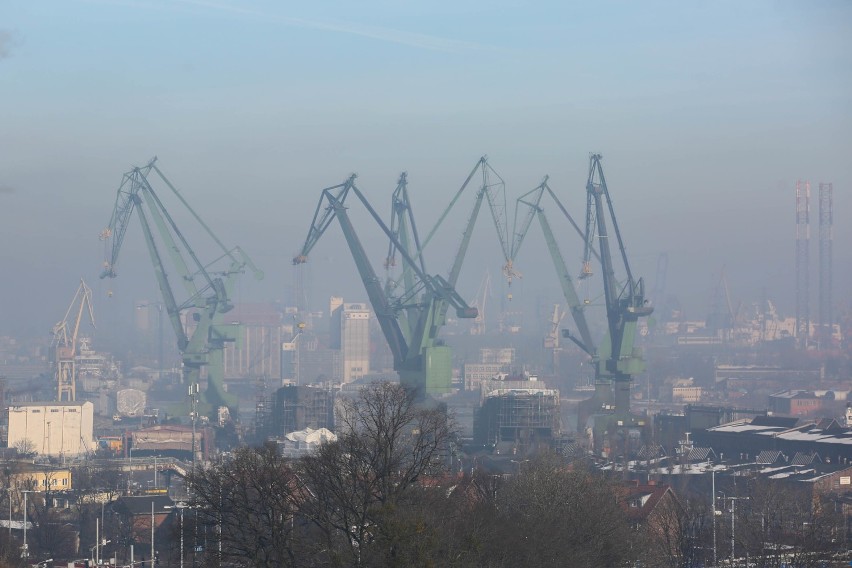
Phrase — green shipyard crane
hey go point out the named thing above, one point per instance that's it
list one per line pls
(615, 360)
(618, 359)
(411, 310)
(198, 319)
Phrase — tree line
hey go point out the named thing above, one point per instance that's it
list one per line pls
(383, 494)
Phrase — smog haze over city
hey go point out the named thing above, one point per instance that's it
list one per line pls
(213, 184)
(706, 115)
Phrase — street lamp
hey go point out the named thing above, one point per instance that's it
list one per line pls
(95, 551)
(180, 505)
(733, 501)
(9, 491)
(24, 550)
(518, 463)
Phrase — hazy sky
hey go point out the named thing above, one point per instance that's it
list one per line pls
(706, 113)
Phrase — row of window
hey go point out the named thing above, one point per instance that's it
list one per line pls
(54, 482)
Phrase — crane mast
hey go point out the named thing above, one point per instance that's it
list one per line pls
(207, 287)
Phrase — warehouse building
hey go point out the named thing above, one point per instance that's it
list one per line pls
(53, 428)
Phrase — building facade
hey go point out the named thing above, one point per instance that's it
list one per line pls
(258, 351)
(53, 428)
(350, 333)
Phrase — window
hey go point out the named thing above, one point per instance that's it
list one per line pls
(64, 481)
(72, 410)
(54, 410)
(35, 410)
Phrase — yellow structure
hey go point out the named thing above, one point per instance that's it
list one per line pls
(42, 480)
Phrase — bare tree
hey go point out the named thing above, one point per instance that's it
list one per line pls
(249, 503)
(550, 516)
(388, 443)
(787, 523)
(25, 448)
(678, 535)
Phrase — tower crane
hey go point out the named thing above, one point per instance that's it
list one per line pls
(411, 311)
(207, 287)
(65, 342)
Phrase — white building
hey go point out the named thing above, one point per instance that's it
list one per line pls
(53, 428)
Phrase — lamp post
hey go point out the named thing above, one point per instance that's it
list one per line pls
(24, 550)
(518, 463)
(9, 491)
(733, 501)
(713, 474)
(180, 506)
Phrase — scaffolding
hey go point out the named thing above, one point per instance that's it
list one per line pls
(526, 418)
(262, 409)
(297, 408)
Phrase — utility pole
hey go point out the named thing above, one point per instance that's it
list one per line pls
(715, 561)
(152, 533)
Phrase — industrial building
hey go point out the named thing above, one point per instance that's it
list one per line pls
(826, 438)
(257, 353)
(670, 429)
(492, 362)
(172, 440)
(317, 364)
(53, 428)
